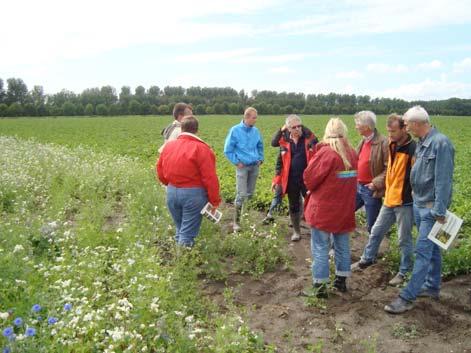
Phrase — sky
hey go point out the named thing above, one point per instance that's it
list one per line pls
(407, 49)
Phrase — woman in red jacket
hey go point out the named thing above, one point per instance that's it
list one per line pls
(188, 167)
(330, 179)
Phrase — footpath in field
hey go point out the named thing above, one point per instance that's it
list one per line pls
(350, 322)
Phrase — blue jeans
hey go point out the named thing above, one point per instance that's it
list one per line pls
(372, 204)
(246, 178)
(185, 205)
(428, 259)
(404, 216)
(320, 246)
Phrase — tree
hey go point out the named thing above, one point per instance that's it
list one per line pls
(101, 109)
(29, 109)
(165, 109)
(69, 109)
(135, 107)
(108, 95)
(89, 109)
(209, 109)
(124, 98)
(15, 109)
(200, 109)
(17, 91)
(37, 95)
(234, 109)
(3, 109)
(140, 94)
(2, 91)
(153, 95)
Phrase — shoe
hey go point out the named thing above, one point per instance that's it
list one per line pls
(397, 280)
(236, 228)
(361, 265)
(427, 293)
(320, 290)
(296, 237)
(398, 306)
(268, 220)
(340, 283)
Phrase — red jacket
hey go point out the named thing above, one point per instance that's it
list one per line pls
(282, 139)
(330, 205)
(189, 162)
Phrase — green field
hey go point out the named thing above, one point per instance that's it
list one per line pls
(83, 222)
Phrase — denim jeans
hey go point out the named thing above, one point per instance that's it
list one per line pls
(185, 205)
(320, 246)
(404, 216)
(372, 205)
(246, 178)
(428, 259)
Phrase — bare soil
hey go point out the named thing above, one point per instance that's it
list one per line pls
(347, 322)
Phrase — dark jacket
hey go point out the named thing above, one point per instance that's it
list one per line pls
(282, 139)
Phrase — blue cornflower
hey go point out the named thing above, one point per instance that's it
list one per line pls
(36, 308)
(8, 331)
(30, 332)
(18, 321)
(6, 350)
(51, 320)
(67, 306)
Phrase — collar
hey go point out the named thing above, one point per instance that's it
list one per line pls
(191, 135)
(425, 141)
(369, 138)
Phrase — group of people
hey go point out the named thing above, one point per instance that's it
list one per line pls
(326, 181)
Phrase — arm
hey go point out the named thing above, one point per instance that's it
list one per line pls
(444, 164)
(207, 166)
(379, 181)
(229, 148)
(260, 148)
(160, 170)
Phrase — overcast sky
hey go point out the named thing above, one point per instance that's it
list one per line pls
(404, 48)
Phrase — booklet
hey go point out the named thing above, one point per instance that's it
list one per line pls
(444, 234)
(209, 212)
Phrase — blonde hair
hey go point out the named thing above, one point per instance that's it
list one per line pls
(250, 110)
(336, 137)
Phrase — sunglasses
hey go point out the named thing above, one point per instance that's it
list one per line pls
(296, 126)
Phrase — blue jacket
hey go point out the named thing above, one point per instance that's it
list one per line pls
(432, 174)
(244, 145)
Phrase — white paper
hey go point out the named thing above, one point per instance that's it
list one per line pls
(214, 217)
(444, 234)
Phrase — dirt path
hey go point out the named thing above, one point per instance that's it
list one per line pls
(350, 322)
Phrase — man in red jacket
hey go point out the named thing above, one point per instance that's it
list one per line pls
(188, 167)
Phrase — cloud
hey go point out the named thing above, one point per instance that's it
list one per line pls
(429, 89)
(386, 69)
(352, 17)
(432, 65)
(282, 58)
(349, 75)
(281, 70)
(216, 55)
(462, 66)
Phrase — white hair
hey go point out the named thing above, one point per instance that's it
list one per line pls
(291, 118)
(417, 113)
(366, 118)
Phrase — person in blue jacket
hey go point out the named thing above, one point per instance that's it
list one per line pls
(244, 148)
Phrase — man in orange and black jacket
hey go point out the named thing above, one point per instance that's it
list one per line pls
(397, 206)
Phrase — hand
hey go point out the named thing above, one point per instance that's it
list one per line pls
(213, 209)
(440, 219)
(370, 186)
(259, 162)
(273, 187)
(284, 127)
(240, 165)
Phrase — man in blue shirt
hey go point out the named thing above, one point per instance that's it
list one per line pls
(244, 148)
(431, 180)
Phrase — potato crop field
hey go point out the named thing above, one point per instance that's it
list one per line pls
(88, 261)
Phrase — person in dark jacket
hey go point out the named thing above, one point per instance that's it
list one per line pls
(296, 144)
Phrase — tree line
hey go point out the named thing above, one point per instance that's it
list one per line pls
(17, 100)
